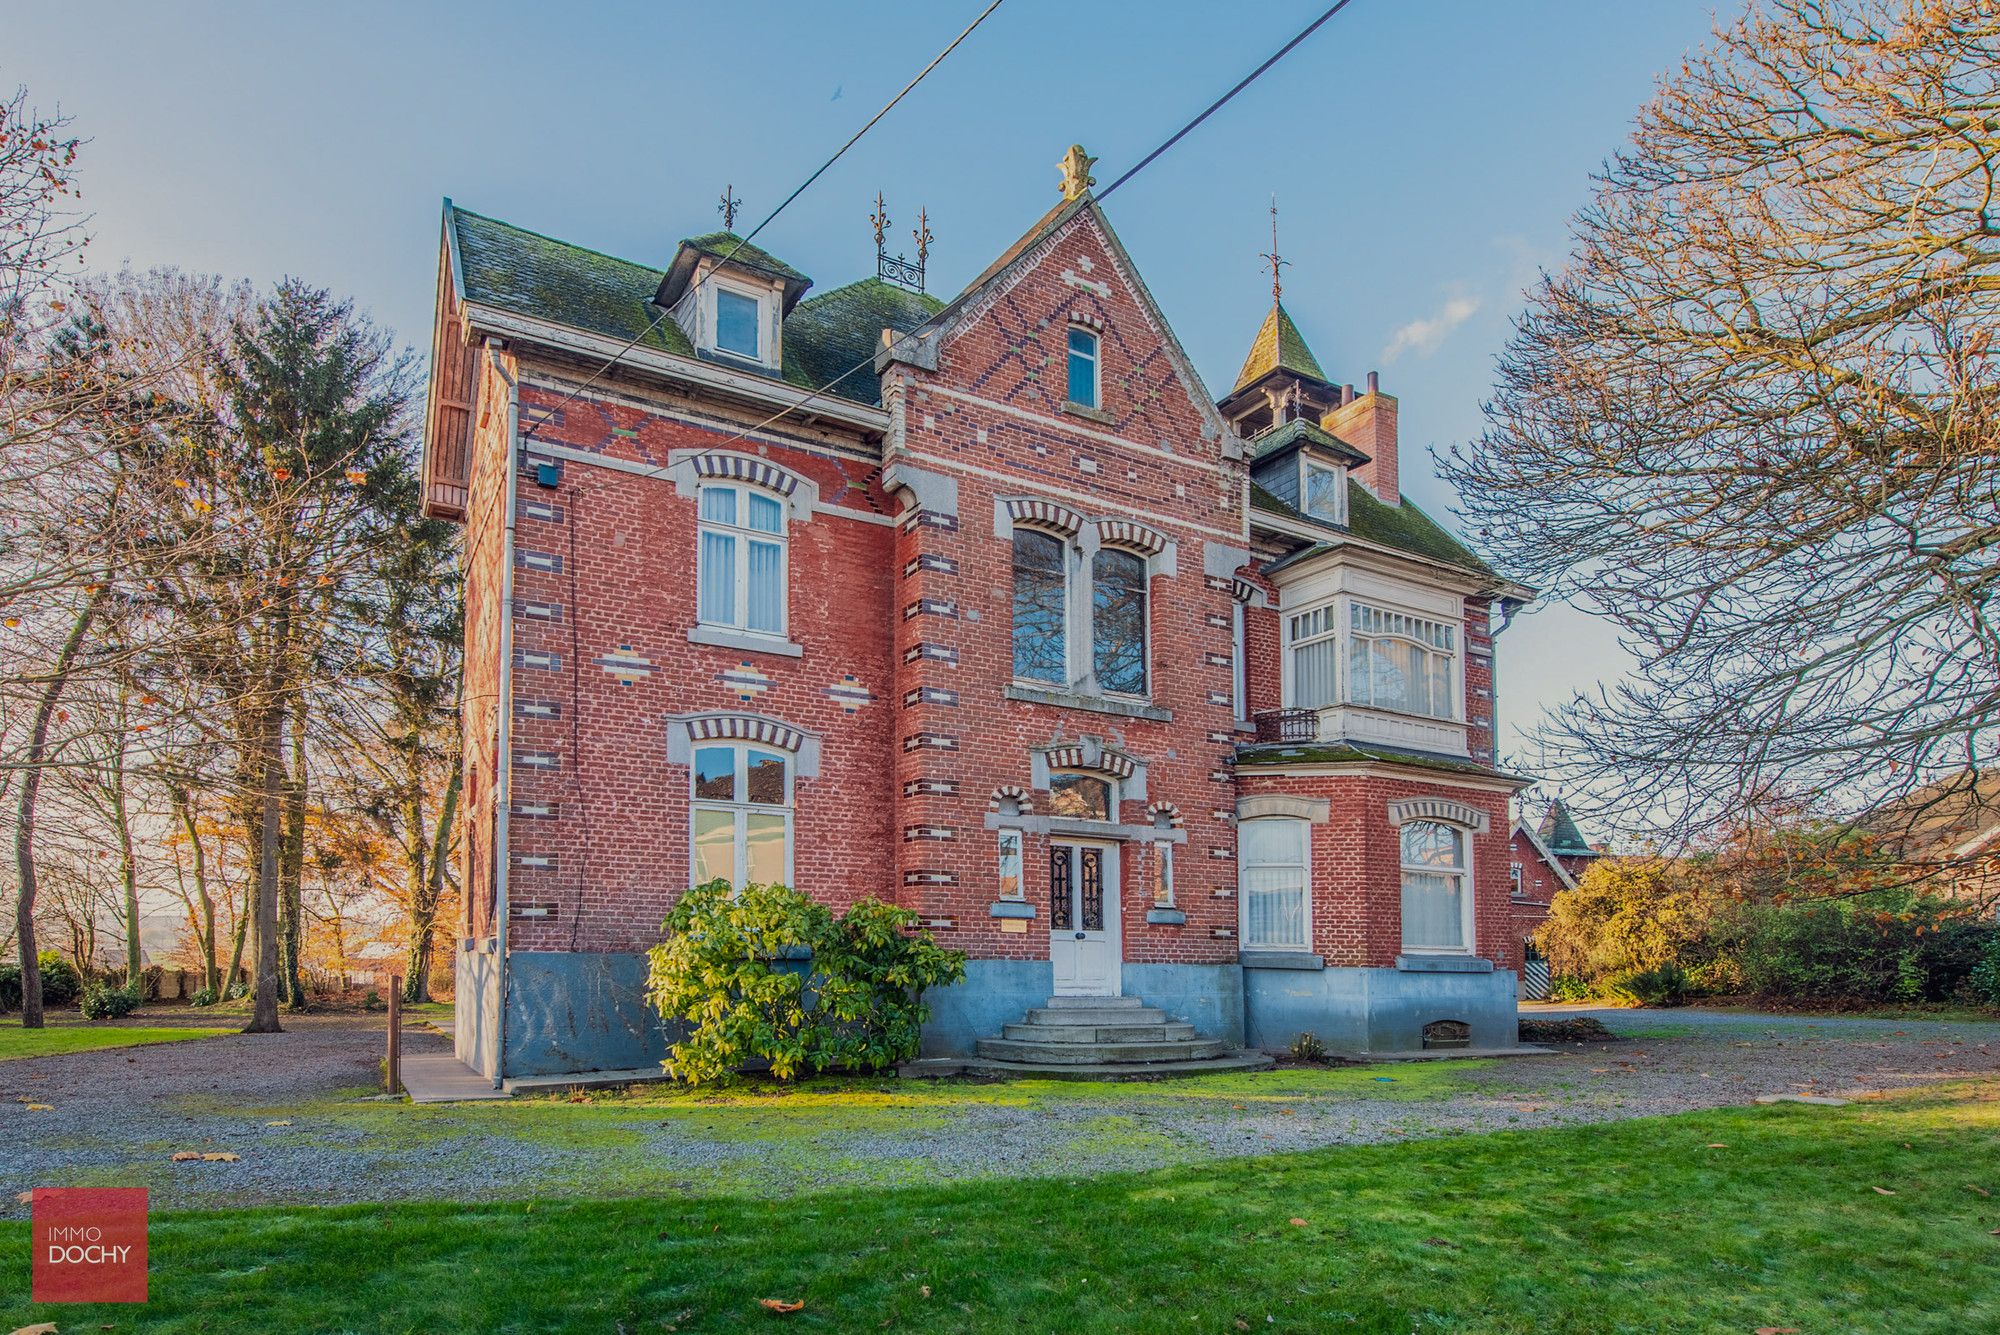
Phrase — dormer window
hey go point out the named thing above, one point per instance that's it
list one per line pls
(1323, 491)
(737, 319)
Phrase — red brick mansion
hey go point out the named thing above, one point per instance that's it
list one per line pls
(1167, 711)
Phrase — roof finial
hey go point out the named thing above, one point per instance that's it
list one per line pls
(1075, 168)
(1276, 261)
(922, 233)
(880, 219)
(727, 208)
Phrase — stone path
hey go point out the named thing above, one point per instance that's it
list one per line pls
(297, 1110)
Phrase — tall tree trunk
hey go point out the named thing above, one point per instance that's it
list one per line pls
(426, 891)
(128, 864)
(264, 1010)
(244, 912)
(205, 924)
(291, 871)
(24, 810)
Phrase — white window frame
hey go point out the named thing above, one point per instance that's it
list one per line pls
(1305, 888)
(1516, 879)
(1454, 661)
(1467, 917)
(1331, 629)
(742, 808)
(1011, 844)
(744, 535)
(1096, 359)
(1339, 473)
(765, 341)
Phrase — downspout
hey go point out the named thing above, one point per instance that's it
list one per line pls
(503, 782)
(1508, 607)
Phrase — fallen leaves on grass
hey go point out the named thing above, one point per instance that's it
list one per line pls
(1882, 1191)
(781, 1306)
(1715, 1145)
(1981, 1190)
(43, 1328)
(286, 1122)
(25, 1197)
(212, 1156)
(1298, 1223)
(1777, 1330)
(41, 1107)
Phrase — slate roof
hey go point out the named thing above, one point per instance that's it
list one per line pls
(1254, 755)
(1279, 346)
(1300, 431)
(738, 251)
(529, 274)
(1559, 832)
(1403, 528)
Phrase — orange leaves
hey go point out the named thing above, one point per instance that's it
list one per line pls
(781, 1306)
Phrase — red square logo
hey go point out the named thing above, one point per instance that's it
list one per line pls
(90, 1245)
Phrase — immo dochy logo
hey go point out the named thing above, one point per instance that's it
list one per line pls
(90, 1245)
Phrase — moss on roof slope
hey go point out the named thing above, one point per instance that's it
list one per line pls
(827, 334)
(1279, 346)
(534, 275)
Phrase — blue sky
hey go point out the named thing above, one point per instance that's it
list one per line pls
(1426, 158)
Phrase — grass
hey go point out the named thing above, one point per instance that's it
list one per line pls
(16, 1042)
(1715, 1221)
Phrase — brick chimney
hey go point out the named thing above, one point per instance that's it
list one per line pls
(1368, 422)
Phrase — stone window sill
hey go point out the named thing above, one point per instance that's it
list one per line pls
(1443, 964)
(1089, 413)
(749, 641)
(1166, 917)
(1097, 704)
(1281, 959)
(1012, 908)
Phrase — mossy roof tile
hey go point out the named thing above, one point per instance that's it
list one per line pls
(1279, 346)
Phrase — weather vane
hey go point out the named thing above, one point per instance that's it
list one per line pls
(1277, 261)
(727, 208)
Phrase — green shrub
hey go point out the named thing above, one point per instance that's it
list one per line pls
(10, 987)
(1628, 914)
(1895, 946)
(1660, 985)
(204, 996)
(1308, 1048)
(1982, 982)
(61, 983)
(1568, 988)
(768, 974)
(101, 1002)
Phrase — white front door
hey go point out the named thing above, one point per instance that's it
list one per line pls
(1084, 942)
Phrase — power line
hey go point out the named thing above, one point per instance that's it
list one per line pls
(840, 152)
(1142, 164)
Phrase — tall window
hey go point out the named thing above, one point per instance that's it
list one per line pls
(1010, 864)
(1434, 896)
(1324, 491)
(1315, 648)
(1118, 621)
(1272, 853)
(1400, 662)
(742, 815)
(1041, 607)
(1083, 368)
(736, 321)
(1163, 875)
(742, 575)
(1239, 647)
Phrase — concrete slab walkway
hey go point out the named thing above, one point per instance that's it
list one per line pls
(439, 1077)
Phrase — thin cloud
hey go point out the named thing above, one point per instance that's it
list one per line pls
(1424, 336)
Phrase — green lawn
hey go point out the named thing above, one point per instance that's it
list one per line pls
(16, 1042)
(1720, 1221)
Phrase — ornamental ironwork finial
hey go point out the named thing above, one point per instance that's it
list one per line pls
(1075, 168)
(727, 208)
(895, 268)
(923, 235)
(1274, 261)
(880, 220)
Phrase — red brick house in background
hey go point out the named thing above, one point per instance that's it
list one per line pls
(1545, 861)
(1172, 713)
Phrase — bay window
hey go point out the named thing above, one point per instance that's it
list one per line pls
(1400, 662)
(741, 565)
(1273, 863)
(1315, 648)
(742, 815)
(1436, 906)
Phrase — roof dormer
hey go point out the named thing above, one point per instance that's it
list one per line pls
(731, 299)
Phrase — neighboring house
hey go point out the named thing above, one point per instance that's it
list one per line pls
(1948, 834)
(1542, 862)
(1172, 710)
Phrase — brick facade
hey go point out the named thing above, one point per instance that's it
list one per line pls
(898, 677)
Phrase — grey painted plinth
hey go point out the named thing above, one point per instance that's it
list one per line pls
(1376, 1010)
(997, 993)
(579, 1011)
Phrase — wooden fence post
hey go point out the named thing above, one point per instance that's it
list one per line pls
(393, 1076)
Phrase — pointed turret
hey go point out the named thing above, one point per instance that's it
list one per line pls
(1558, 831)
(1279, 346)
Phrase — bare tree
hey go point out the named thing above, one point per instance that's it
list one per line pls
(1752, 421)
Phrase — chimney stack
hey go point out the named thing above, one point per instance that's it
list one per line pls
(1368, 422)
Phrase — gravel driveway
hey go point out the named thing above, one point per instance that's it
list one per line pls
(293, 1107)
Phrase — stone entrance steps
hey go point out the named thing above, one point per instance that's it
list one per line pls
(1098, 1037)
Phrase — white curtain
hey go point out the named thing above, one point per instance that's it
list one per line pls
(1433, 911)
(767, 587)
(1313, 673)
(1274, 883)
(718, 575)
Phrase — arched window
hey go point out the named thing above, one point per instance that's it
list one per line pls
(1118, 621)
(741, 566)
(1081, 797)
(1437, 907)
(1041, 608)
(1400, 662)
(742, 814)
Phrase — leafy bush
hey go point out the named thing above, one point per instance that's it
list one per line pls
(109, 1003)
(1626, 915)
(767, 974)
(1568, 987)
(1982, 983)
(204, 996)
(1660, 985)
(61, 983)
(10, 987)
(1895, 946)
(1308, 1048)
